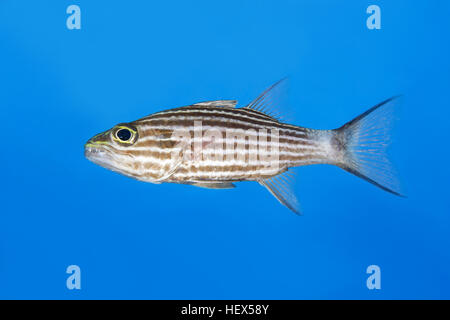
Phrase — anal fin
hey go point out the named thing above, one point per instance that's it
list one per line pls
(281, 188)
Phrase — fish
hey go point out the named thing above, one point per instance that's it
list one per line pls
(215, 144)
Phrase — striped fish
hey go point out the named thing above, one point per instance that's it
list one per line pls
(214, 144)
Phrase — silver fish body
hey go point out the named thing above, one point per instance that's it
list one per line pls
(214, 144)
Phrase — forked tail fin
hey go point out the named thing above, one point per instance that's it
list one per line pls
(363, 142)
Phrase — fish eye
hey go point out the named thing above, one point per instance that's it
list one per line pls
(124, 135)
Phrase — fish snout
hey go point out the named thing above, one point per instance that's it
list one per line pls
(96, 147)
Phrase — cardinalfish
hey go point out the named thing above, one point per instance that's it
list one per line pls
(214, 144)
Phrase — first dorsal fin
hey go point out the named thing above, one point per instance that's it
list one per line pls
(217, 103)
(268, 102)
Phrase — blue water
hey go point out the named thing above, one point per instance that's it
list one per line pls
(59, 87)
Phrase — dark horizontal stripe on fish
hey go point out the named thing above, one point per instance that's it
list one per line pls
(241, 111)
(300, 133)
(282, 139)
(210, 171)
(204, 115)
(283, 153)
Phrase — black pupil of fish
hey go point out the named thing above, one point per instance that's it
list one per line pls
(124, 134)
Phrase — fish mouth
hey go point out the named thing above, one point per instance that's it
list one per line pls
(104, 157)
(99, 155)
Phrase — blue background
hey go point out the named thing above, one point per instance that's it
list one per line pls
(59, 87)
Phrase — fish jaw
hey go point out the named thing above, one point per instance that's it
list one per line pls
(98, 154)
(98, 150)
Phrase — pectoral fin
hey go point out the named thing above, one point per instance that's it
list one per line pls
(280, 187)
(169, 173)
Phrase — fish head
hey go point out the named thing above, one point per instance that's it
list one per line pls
(134, 150)
(114, 149)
